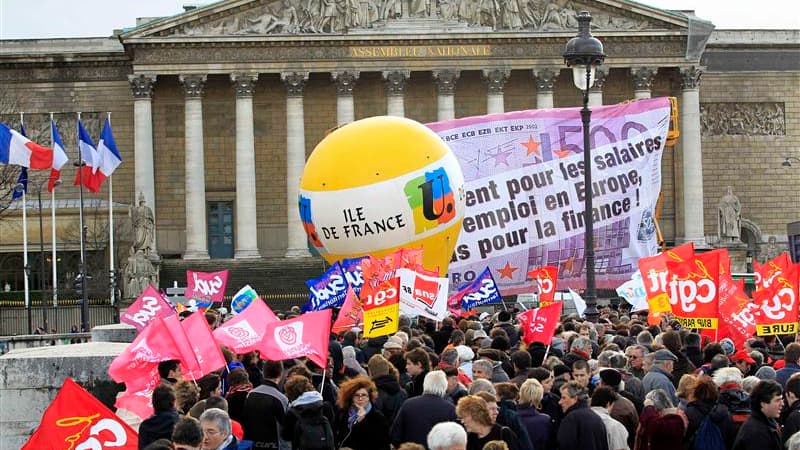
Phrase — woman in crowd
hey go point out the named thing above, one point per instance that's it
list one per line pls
(240, 386)
(704, 398)
(359, 425)
(529, 411)
(474, 414)
(661, 425)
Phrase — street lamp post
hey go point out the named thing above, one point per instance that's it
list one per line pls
(584, 53)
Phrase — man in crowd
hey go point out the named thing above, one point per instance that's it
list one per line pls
(265, 408)
(660, 374)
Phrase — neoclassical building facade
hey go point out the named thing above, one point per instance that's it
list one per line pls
(216, 109)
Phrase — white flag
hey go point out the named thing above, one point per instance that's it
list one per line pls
(633, 292)
(580, 305)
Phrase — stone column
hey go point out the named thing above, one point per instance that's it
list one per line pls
(345, 82)
(144, 174)
(545, 79)
(642, 80)
(596, 91)
(295, 161)
(446, 93)
(495, 82)
(395, 88)
(693, 228)
(195, 180)
(246, 220)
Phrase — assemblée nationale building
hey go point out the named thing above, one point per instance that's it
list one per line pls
(216, 109)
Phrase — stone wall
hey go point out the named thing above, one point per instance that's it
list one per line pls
(743, 154)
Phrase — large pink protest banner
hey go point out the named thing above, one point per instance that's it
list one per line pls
(525, 192)
(146, 308)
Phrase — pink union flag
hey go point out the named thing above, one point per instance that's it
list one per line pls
(203, 346)
(306, 335)
(154, 344)
(206, 288)
(244, 333)
(147, 307)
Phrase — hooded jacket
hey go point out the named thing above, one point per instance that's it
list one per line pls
(309, 404)
(390, 396)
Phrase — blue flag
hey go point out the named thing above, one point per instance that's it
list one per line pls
(23, 174)
(327, 291)
(353, 274)
(482, 291)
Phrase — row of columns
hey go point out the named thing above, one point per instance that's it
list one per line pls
(246, 232)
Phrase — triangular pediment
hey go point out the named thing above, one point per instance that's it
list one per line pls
(249, 18)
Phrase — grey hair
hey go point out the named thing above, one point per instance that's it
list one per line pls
(445, 435)
(481, 385)
(749, 383)
(450, 356)
(660, 399)
(617, 361)
(219, 418)
(485, 365)
(727, 375)
(574, 390)
(435, 383)
(794, 442)
(649, 358)
(603, 359)
(581, 343)
(644, 338)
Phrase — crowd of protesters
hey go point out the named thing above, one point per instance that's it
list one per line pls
(472, 383)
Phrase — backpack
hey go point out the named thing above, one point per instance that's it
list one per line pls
(708, 436)
(313, 432)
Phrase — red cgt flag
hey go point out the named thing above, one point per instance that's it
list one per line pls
(244, 333)
(307, 335)
(77, 420)
(539, 324)
(546, 278)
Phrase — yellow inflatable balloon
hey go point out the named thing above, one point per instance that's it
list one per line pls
(380, 184)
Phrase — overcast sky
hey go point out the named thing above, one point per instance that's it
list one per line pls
(23, 19)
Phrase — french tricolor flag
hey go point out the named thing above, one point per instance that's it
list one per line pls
(109, 157)
(59, 157)
(17, 149)
(90, 157)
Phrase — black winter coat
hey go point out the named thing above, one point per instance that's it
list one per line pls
(417, 416)
(582, 429)
(791, 421)
(698, 410)
(390, 396)
(758, 433)
(159, 425)
(371, 433)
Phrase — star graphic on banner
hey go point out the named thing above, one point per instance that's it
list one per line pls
(532, 146)
(507, 271)
(501, 156)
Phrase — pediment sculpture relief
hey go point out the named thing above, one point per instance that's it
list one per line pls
(341, 16)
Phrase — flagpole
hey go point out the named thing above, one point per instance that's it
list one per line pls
(53, 225)
(546, 351)
(84, 299)
(112, 273)
(25, 267)
(322, 384)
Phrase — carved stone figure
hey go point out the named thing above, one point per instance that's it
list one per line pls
(729, 217)
(771, 250)
(139, 273)
(144, 228)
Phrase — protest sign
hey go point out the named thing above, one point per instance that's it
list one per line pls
(327, 291)
(381, 308)
(205, 288)
(147, 307)
(693, 290)
(546, 279)
(525, 189)
(482, 291)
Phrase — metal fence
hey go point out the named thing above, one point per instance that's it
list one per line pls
(14, 319)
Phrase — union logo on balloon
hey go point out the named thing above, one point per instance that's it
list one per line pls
(380, 184)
